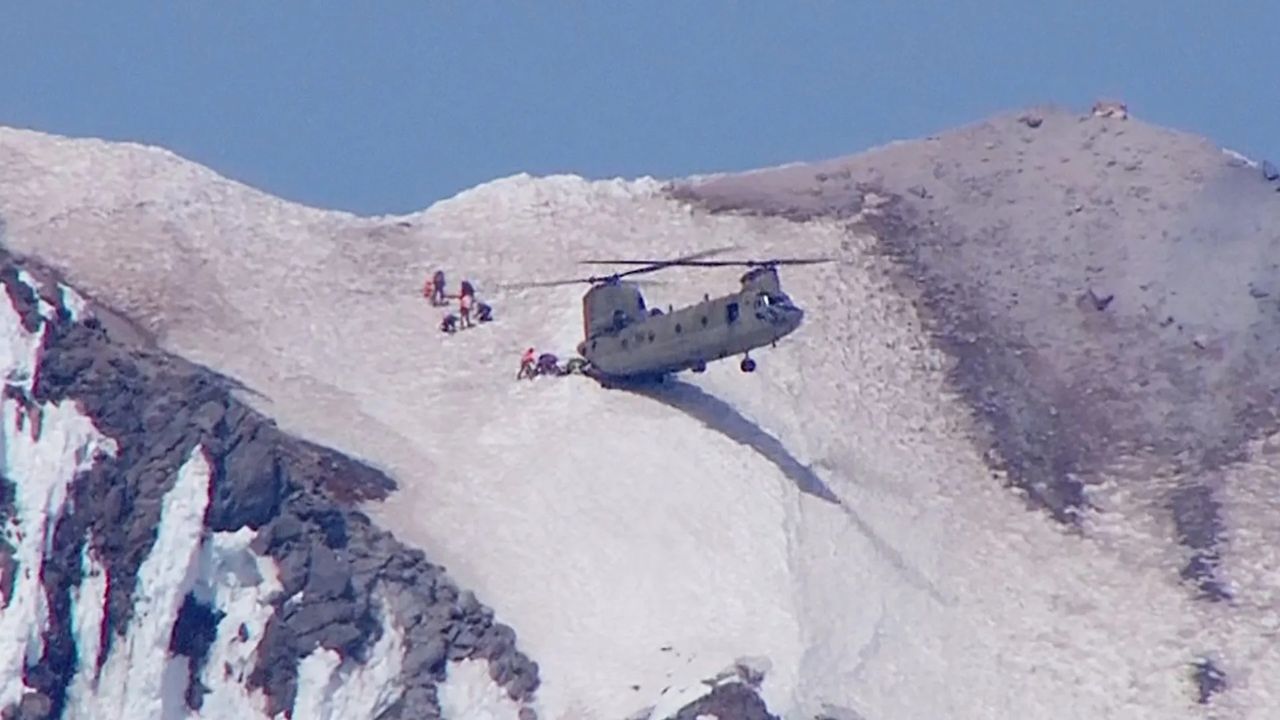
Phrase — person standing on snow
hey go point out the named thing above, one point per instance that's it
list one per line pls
(437, 288)
(466, 298)
(464, 309)
(527, 361)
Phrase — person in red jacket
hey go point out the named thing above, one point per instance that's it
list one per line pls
(527, 364)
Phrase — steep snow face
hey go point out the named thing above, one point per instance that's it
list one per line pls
(139, 678)
(641, 543)
(43, 448)
(51, 451)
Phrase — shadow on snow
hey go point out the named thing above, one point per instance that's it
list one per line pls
(723, 418)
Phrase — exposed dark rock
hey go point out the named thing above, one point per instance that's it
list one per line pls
(33, 706)
(299, 495)
(1199, 525)
(1209, 680)
(728, 701)
(193, 634)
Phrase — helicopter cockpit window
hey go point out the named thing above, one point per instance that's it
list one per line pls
(640, 302)
(766, 299)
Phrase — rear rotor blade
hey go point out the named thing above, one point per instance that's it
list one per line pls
(726, 263)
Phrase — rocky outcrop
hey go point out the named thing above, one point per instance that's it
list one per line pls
(729, 701)
(343, 580)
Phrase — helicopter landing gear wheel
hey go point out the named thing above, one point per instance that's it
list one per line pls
(747, 365)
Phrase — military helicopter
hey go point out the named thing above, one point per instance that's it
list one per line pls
(626, 342)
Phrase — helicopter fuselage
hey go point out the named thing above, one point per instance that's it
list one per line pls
(648, 344)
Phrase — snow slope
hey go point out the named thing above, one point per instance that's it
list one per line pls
(111, 610)
(641, 544)
(46, 446)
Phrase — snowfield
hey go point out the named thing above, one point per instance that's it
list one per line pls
(830, 513)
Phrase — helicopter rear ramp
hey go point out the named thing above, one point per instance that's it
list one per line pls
(639, 547)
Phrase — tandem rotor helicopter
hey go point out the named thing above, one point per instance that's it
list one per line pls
(625, 342)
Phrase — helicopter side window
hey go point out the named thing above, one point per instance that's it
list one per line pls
(704, 321)
(731, 312)
(679, 329)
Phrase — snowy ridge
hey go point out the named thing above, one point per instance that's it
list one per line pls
(54, 456)
(855, 511)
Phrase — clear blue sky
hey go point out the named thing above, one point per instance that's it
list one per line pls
(393, 107)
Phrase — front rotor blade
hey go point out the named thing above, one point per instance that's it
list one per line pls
(546, 283)
(682, 258)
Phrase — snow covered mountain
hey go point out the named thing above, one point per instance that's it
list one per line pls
(1021, 459)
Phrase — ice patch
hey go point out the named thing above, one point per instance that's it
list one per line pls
(240, 584)
(74, 303)
(46, 310)
(19, 349)
(1240, 157)
(139, 678)
(468, 693)
(330, 688)
(88, 610)
(42, 449)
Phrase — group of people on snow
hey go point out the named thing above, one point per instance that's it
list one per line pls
(531, 364)
(434, 291)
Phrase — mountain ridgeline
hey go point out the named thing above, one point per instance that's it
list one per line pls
(1075, 314)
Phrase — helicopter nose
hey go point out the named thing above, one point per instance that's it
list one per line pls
(788, 319)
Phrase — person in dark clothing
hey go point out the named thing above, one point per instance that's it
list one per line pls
(548, 364)
(464, 309)
(484, 313)
(437, 290)
(449, 324)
